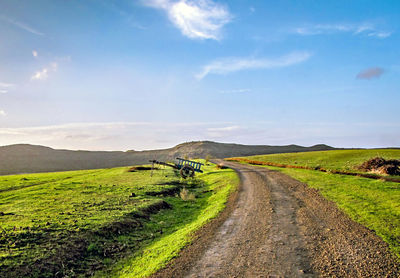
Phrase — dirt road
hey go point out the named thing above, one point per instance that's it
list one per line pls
(278, 227)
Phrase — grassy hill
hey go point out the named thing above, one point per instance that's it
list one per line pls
(77, 223)
(24, 158)
(341, 160)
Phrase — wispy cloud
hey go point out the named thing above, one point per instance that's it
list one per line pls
(147, 135)
(40, 75)
(202, 19)
(226, 128)
(21, 25)
(44, 73)
(119, 8)
(233, 64)
(235, 91)
(2, 113)
(114, 135)
(367, 29)
(370, 73)
(137, 25)
(34, 53)
(381, 35)
(218, 132)
(4, 87)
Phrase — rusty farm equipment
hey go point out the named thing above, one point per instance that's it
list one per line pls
(186, 168)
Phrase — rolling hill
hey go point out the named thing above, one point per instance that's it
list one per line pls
(24, 158)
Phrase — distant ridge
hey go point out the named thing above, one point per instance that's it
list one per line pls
(25, 158)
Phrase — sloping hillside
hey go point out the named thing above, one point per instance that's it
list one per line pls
(23, 158)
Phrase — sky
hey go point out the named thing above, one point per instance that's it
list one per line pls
(123, 75)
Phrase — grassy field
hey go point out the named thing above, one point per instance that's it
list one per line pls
(342, 160)
(373, 203)
(108, 222)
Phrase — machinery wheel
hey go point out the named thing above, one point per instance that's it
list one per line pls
(187, 171)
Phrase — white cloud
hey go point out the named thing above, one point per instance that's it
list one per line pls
(381, 35)
(2, 113)
(44, 73)
(226, 128)
(202, 19)
(6, 85)
(235, 91)
(40, 75)
(21, 25)
(137, 25)
(34, 53)
(220, 132)
(228, 65)
(367, 29)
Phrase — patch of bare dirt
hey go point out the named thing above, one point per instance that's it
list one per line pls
(221, 166)
(140, 168)
(381, 166)
(279, 227)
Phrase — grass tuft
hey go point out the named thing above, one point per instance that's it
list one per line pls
(186, 195)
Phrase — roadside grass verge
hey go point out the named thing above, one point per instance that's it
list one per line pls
(78, 223)
(335, 161)
(345, 160)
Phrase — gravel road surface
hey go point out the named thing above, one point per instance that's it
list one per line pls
(276, 226)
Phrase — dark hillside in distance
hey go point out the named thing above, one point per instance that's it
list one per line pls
(24, 158)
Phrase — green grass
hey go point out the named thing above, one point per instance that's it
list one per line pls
(373, 203)
(342, 160)
(206, 207)
(48, 219)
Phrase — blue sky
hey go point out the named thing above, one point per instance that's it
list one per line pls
(118, 75)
